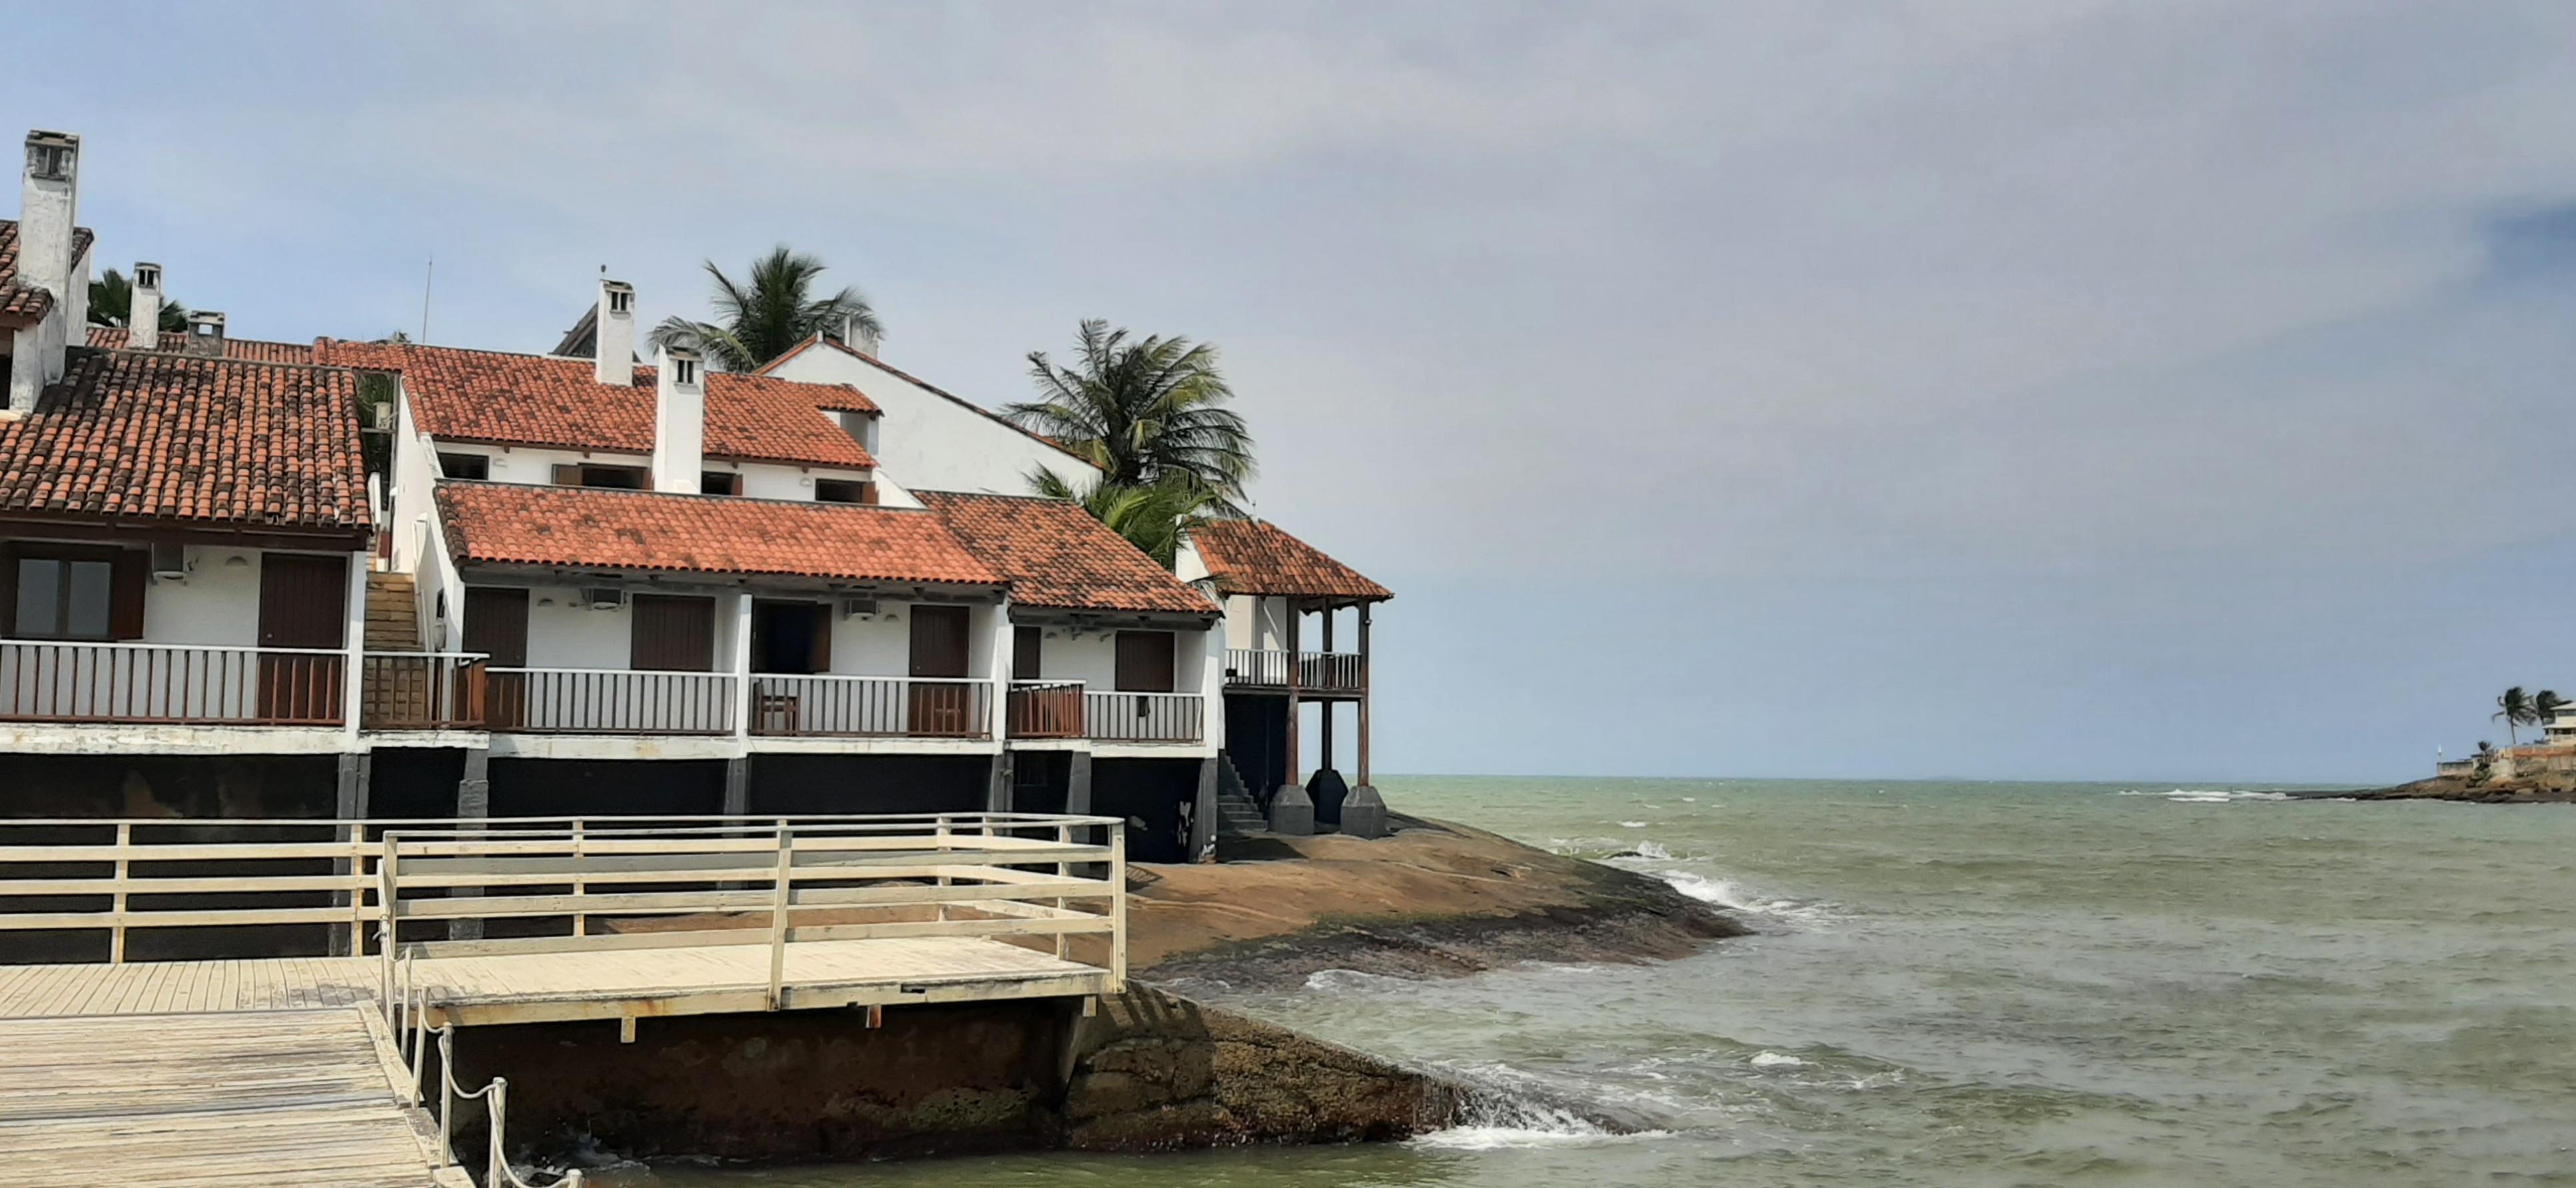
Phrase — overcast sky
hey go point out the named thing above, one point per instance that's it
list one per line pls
(2162, 391)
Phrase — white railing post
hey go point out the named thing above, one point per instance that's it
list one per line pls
(778, 904)
(1117, 908)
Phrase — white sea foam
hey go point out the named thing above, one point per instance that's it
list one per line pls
(1335, 981)
(1726, 894)
(1650, 848)
(1632, 824)
(1775, 1060)
(1495, 1121)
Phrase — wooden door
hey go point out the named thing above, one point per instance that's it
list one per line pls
(303, 603)
(939, 649)
(1144, 662)
(496, 624)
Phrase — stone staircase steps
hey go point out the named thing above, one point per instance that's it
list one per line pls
(1236, 810)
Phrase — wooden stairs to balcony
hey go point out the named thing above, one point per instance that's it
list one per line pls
(393, 613)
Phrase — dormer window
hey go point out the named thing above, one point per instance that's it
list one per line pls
(684, 371)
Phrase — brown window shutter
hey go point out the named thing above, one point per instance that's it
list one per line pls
(131, 572)
(867, 492)
(819, 654)
(567, 475)
(1144, 662)
(1024, 653)
(8, 589)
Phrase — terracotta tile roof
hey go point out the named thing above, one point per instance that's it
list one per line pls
(19, 304)
(113, 338)
(1255, 557)
(127, 435)
(595, 528)
(1056, 555)
(541, 400)
(819, 341)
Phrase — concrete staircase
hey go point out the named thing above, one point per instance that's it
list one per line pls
(1236, 810)
(393, 613)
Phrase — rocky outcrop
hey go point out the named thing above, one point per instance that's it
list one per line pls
(1155, 1072)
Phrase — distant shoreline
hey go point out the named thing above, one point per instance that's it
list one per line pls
(2452, 788)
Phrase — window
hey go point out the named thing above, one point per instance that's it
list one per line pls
(72, 591)
(684, 371)
(720, 482)
(465, 466)
(844, 491)
(620, 300)
(621, 478)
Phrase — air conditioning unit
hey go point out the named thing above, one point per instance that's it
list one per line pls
(169, 563)
(607, 598)
(858, 608)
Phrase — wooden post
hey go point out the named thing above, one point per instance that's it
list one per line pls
(1324, 709)
(1063, 870)
(1293, 756)
(1117, 908)
(580, 920)
(1292, 812)
(778, 917)
(116, 935)
(943, 861)
(1364, 695)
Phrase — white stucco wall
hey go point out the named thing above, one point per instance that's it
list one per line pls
(535, 466)
(933, 442)
(216, 606)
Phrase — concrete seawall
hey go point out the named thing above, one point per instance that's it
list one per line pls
(1149, 1071)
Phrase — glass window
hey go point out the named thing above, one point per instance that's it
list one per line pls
(39, 598)
(85, 606)
(465, 466)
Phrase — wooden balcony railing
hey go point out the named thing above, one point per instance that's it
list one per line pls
(423, 691)
(831, 705)
(1321, 672)
(1144, 717)
(1046, 709)
(176, 684)
(608, 701)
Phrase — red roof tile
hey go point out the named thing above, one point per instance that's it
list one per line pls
(1056, 555)
(127, 435)
(541, 400)
(19, 304)
(594, 528)
(114, 338)
(1255, 557)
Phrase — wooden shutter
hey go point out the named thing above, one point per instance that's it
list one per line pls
(820, 645)
(8, 589)
(496, 624)
(303, 601)
(938, 641)
(567, 475)
(1024, 653)
(672, 634)
(130, 573)
(867, 492)
(1144, 661)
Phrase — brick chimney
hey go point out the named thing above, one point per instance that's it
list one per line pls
(206, 334)
(48, 204)
(613, 339)
(143, 323)
(679, 420)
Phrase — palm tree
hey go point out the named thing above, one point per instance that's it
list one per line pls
(2545, 706)
(1151, 517)
(758, 322)
(2515, 710)
(1143, 411)
(111, 302)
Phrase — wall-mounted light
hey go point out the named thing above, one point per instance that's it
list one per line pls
(545, 602)
(237, 561)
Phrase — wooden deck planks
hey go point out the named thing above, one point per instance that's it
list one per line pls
(201, 1100)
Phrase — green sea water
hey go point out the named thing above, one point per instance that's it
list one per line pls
(1969, 984)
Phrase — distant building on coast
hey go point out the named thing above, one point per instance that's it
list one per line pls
(576, 583)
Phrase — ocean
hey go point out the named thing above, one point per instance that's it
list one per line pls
(1967, 984)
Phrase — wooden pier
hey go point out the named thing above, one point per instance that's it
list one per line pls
(315, 1069)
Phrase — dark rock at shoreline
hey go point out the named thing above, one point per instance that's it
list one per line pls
(2545, 790)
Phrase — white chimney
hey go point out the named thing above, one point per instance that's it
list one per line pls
(143, 325)
(613, 340)
(858, 335)
(48, 204)
(206, 334)
(679, 420)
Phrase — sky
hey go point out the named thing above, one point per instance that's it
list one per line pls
(2172, 391)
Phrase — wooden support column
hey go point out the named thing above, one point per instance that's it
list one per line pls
(1292, 812)
(350, 806)
(1324, 708)
(1364, 812)
(473, 803)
